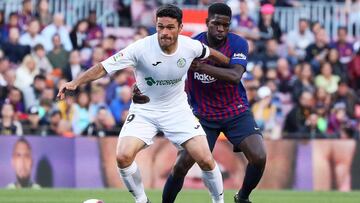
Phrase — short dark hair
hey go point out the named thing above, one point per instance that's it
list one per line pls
(169, 10)
(220, 9)
(342, 28)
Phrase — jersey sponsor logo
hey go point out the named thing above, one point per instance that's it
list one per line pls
(151, 82)
(204, 78)
(118, 56)
(157, 63)
(239, 56)
(181, 63)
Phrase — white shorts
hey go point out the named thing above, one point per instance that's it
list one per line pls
(178, 125)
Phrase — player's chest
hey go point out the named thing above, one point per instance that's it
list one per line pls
(166, 66)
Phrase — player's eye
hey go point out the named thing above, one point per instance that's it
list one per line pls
(160, 27)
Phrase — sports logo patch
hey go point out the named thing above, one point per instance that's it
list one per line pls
(118, 56)
(239, 56)
(181, 63)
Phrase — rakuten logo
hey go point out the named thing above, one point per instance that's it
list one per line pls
(204, 78)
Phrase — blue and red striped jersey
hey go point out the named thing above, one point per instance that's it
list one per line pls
(214, 99)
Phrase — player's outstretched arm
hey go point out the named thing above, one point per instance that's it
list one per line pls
(218, 57)
(231, 73)
(95, 72)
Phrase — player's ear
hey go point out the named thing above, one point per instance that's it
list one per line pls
(207, 22)
(180, 27)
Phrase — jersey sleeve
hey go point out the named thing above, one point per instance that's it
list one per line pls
(240, 53)
(201, 50)
(123, 59)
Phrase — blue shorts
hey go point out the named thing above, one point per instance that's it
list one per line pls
(235, 129)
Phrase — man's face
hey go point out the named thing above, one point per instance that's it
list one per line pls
(168, 30)
(22, 161)
(303, 26)
(218, 27)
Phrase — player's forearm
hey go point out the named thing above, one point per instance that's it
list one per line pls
(95, 72)
(232, 74)
(218, 57)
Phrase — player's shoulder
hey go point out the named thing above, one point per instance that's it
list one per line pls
(236, 39)
(199, 36)
(187, 42)
(143, 43)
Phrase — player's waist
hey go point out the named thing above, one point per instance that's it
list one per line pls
(219, 114)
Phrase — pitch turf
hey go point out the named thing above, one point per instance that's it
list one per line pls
(186, 196)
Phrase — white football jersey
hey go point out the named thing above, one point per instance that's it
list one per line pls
(158, 75)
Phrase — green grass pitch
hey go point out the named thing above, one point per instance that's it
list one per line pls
(186, 196)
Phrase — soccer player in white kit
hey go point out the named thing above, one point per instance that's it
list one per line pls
(161, 62)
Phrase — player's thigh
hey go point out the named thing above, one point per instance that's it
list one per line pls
(180, 125)
(197, 147)
(212, 130)
(137, 132)
(240, 127)
(183, 163)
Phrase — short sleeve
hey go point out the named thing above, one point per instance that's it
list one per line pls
(123, 59)
(240, 53)
(201, 50)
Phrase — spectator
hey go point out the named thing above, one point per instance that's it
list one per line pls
(81, 113)
(32, 93)
(13, 22)
(124, 12)
(56, 28)
(354, 71)
(32, 124)
(243, 24)
(12, 49)
(67, 107)
(97, 100)
(312, 127)
(78, 34)
(265, 112)
(284, 76)
(316, 52)
(340, 125)
(8, 124)
(4, 66)
(42, 60)
(42, 13)
(338, 68)
(271, 56)
(326, 79)
(297, 41)
(294, 126)
(108, 45)
(25, 15)
(2, 25)
(121, 104)
(119, 79)
(26, 73)
(74, 68)
(347, 96)
(95, 33)
(343, 46)
(103, 125)
(55, 118)
(269, 29)
(58, 57)
(98, 55)
(322, 98)
(279, 3)
(32, 36)
(16, 99)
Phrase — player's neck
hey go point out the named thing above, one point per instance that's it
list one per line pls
(169, 49)
(213, 43)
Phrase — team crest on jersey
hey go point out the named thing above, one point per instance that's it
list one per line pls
(181, 63)
(118, 56)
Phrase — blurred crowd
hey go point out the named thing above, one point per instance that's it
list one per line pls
(300, 84)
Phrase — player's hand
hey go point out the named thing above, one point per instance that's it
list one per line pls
(69, 86)
(138, 97)
(196, 66)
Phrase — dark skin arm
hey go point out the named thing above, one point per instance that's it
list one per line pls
(233, 74)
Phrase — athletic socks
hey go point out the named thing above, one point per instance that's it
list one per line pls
(213, 181)
(172, 187)
(252, 177)
(132, 180)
